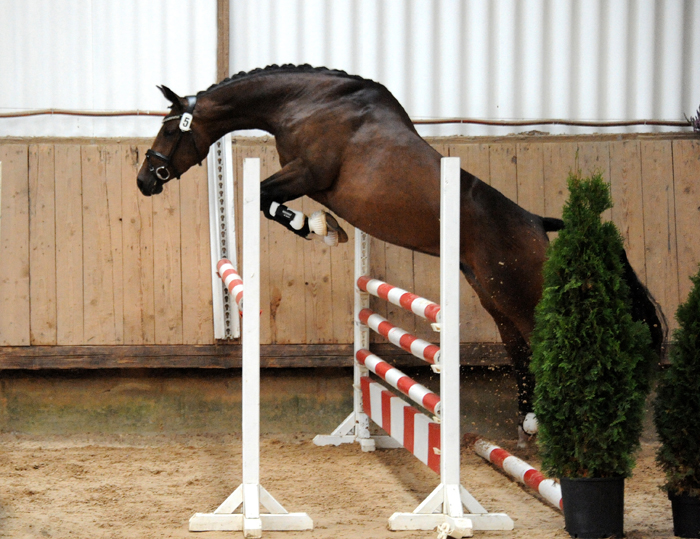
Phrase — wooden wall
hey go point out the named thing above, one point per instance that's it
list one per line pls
(86, 260)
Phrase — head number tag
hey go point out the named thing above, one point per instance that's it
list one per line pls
(186, 122)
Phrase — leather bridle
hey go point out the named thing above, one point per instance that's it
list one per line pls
(163, 172)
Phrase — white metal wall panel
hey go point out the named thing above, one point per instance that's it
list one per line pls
(101, 55)
(492, 59)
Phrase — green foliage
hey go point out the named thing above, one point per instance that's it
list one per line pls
(677, 405)
(591, 361)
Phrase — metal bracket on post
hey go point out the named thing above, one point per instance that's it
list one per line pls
(222, 234)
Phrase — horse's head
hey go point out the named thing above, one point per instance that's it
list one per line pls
(179, 145)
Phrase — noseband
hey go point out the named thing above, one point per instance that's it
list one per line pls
(163, 172)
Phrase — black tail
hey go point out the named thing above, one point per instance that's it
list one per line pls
(551, 224)
(645, 308)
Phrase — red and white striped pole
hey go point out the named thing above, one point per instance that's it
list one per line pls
(393, 294)
(520, 470)
(232, 280)
(406, 385)
(400, 337)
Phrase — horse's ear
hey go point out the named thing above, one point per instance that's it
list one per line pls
(171, 96)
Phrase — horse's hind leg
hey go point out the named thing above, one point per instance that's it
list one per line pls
(520, 353)
(518, 350)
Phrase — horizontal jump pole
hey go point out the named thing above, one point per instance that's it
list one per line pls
(417, 305)
(400, 337)
(232, 280)
(549, 489)
(415, 431)
(418, 393)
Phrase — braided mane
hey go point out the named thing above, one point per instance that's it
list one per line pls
(286, 68)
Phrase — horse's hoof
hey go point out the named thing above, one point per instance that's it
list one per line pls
(331, 239)
(530, 423)
(333, 225)
(317, 223)
(326, 228)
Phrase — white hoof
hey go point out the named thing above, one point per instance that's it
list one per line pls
(530, 423)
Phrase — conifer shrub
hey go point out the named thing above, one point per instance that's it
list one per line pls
(591, 361)
(677, 404)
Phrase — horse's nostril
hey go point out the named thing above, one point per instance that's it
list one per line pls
(145, 187)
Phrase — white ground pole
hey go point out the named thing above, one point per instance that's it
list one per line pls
(250, 495)
(444, 507)
(222, 234)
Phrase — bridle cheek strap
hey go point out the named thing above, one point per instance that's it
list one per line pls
(185, 126)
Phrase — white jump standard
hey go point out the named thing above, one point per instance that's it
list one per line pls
(250, 495)
(435, 441)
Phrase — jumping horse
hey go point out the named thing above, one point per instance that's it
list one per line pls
(347, 143)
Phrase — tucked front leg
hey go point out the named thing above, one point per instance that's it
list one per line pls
(294, 180)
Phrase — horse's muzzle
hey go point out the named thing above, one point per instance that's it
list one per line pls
(149, 185)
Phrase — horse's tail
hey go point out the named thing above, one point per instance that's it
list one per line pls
(645, 307)
(551, 224)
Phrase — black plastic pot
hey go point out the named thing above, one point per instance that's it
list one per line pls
(686, 515)
(594, 507)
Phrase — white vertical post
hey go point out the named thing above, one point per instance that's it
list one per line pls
(251, 342)
(444, 507)
(0, 204)
(250, 495)
(449, 333)
(361, 340)
(355, 427)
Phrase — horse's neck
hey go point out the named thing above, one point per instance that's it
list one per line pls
(248, 104)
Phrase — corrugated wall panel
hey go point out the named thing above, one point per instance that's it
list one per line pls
(492, 59)
(106, 55)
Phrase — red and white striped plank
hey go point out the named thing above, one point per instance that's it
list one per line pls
(549, 489)
(418, 393)
(402, 298)
(232, 280)
(416, 432)
(400, 337)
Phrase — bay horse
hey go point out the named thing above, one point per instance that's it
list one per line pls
(347, 143)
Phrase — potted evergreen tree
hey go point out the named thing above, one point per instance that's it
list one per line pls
(677, 418)
(591, 363)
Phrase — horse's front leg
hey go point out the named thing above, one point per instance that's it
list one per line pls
(291, 182)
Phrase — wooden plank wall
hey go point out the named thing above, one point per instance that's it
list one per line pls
(85, 259)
